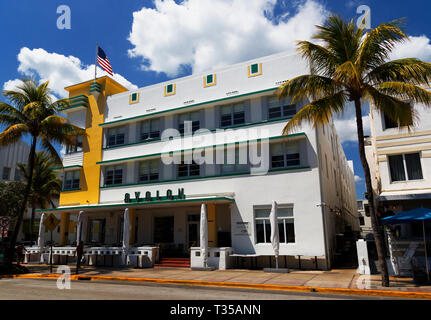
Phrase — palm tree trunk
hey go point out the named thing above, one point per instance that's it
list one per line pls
(370, 196)
(21, 213)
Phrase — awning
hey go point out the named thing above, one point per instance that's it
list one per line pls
(386, 196)
(140, 205)
(418, 214)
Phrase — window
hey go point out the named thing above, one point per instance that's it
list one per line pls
(114, 175)
(76, 147)
(6, 173)
(238, 165)
(170, 89)
(280, 109)
(360, 205)
(17, 174)
(361, 221)
(97, 231)
(134, 98)
(286, 227)
(255, 69)
(116, 136)
(284, 155)
(194, 117)
(150, 129)
(71, 180)
(405, 165)
(388, 122)
(232, 115)
(209, 80)
(188, 169)
(149, 170)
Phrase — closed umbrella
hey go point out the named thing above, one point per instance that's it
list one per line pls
(41, 236)
(80, 227)
(126, 234)
(275, 237)
(204, 235)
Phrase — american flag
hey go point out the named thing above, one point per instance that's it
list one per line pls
(103, 61)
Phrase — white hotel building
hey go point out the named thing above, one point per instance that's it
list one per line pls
(120, 165)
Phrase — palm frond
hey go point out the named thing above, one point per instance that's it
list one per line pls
(317, 112)
(303, 87)
(406, 91)
(13, 133)
(13, 112)
(342, 39)
(46, 144)
(398, 111)
(348, 75)
(379, 43)
(410, 70)
(320, 59)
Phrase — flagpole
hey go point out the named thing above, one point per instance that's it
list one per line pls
(95, 63)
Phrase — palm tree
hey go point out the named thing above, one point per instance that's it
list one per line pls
(33, 113)
(348, 64)
(45, 186)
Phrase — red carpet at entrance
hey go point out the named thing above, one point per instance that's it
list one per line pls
(174, 263)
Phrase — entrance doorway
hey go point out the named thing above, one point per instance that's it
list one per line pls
(193, 230)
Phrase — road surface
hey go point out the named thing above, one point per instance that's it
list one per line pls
(46, 289)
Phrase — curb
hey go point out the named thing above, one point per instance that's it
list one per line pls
(255, 286)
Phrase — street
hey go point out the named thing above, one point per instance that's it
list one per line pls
(42, 289)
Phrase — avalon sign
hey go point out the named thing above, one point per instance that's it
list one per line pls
(149, 197)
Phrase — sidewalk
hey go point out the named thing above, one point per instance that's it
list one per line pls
(345, 281)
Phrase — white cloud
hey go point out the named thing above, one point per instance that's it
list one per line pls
(358, 178)
(206, 34)
(60, 70)
(11, 84)
(416, 47)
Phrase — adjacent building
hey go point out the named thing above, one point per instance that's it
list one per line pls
(365, 219)
(216, 138)
(400, 162)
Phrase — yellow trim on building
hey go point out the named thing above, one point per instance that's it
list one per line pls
(254, 74)
(212, 83)
(137, 98)
(403, 135)
(92, 145)
(426, 155)
(382, 159)
(212, 225)
(170, 93)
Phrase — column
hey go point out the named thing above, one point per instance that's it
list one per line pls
(64, 228)
(132, 219)
(212, 225)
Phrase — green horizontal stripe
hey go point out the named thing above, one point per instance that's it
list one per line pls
(200, 178)
(213, 130)
(69, 167)
(136, 204)
(213, 146)
(186, 107)
(81, 96)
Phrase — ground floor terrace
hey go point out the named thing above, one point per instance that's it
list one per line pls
(168, 231)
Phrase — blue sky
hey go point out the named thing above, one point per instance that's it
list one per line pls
(167, 39)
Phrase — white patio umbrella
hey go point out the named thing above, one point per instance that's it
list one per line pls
(204, 235)
(126, 234)
(41, 236)
(80, 227)
(275, 237)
